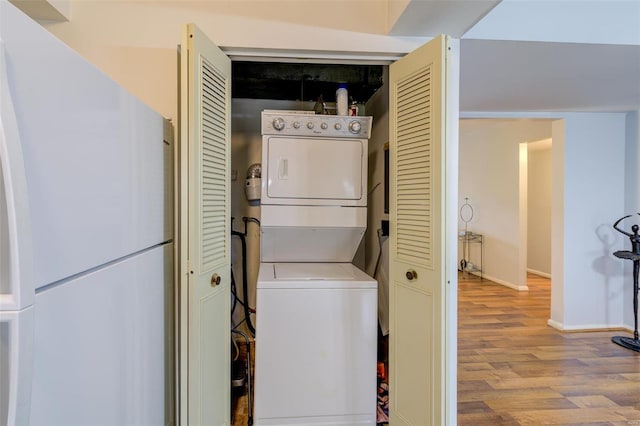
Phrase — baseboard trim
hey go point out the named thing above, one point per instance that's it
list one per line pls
(540, 273)
(588, 327)
(505, 283)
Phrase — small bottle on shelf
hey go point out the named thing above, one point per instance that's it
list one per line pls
(342, 99)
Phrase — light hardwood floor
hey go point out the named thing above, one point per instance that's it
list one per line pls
(239, 397)
(513, 369)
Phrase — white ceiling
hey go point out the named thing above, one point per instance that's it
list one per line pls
(526, 55)
(539, 76)
(433, 17)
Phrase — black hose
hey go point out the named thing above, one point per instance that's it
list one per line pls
(233, 293)
(245, 284)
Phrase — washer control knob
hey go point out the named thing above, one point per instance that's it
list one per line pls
(355, 127)
(310, 125)
(324, 126)
(296, 124)
(337, 126)
(278, 123)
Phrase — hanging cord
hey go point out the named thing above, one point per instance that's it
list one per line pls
(235, 346)
(236, 300)
(250, 219)
(233, 293)
(374, 188)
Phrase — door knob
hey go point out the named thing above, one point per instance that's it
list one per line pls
(215, 280)
(411, 274)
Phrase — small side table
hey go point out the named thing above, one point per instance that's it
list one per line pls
(471, 260)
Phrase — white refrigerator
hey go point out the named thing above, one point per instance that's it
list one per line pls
(86, 246)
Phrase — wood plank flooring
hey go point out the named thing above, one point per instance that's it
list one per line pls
(514, 369)
(240, 396)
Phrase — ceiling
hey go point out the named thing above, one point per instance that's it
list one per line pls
(515, 55)
(539, 76)
(580, 55)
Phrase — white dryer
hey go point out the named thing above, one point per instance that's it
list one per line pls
(316, 320)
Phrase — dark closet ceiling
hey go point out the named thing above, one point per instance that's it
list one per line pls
(303, 82)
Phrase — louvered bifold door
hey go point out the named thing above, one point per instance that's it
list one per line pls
(414, 174)
(416, 258)
(205, 272)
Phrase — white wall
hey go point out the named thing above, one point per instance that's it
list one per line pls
(594, 196)
(489, 177)
(632, 205)
(558, 135)
(539, 208)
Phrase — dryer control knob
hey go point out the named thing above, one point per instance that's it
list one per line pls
(324, 126)
(355, 127)
(337, 126)
(310, 125)
(278, 123)
(296, 125)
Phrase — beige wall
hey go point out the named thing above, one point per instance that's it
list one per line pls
(378, 108)
(135, 42)
(539, 208)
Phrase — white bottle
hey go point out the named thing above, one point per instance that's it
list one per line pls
(342, 100)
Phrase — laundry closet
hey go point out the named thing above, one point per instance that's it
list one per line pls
(295, 87)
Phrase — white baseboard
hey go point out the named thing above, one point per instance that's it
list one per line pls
(588, 327)
(505, 283)
(540, 273)
(555, 324)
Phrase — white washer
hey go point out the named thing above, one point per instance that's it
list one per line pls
(315, 345)
(316, 320)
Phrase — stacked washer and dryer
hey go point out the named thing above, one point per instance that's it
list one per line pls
(316, 312)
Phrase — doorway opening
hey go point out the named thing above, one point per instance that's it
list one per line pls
(538, 207)
(493, 178)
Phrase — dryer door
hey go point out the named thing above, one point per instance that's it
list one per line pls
(314, 171)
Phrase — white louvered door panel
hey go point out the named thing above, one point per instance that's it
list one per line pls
(414, 170)
(204, 232)
(417, 273)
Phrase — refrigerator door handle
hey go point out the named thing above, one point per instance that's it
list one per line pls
(16, 365)
(17, 289)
